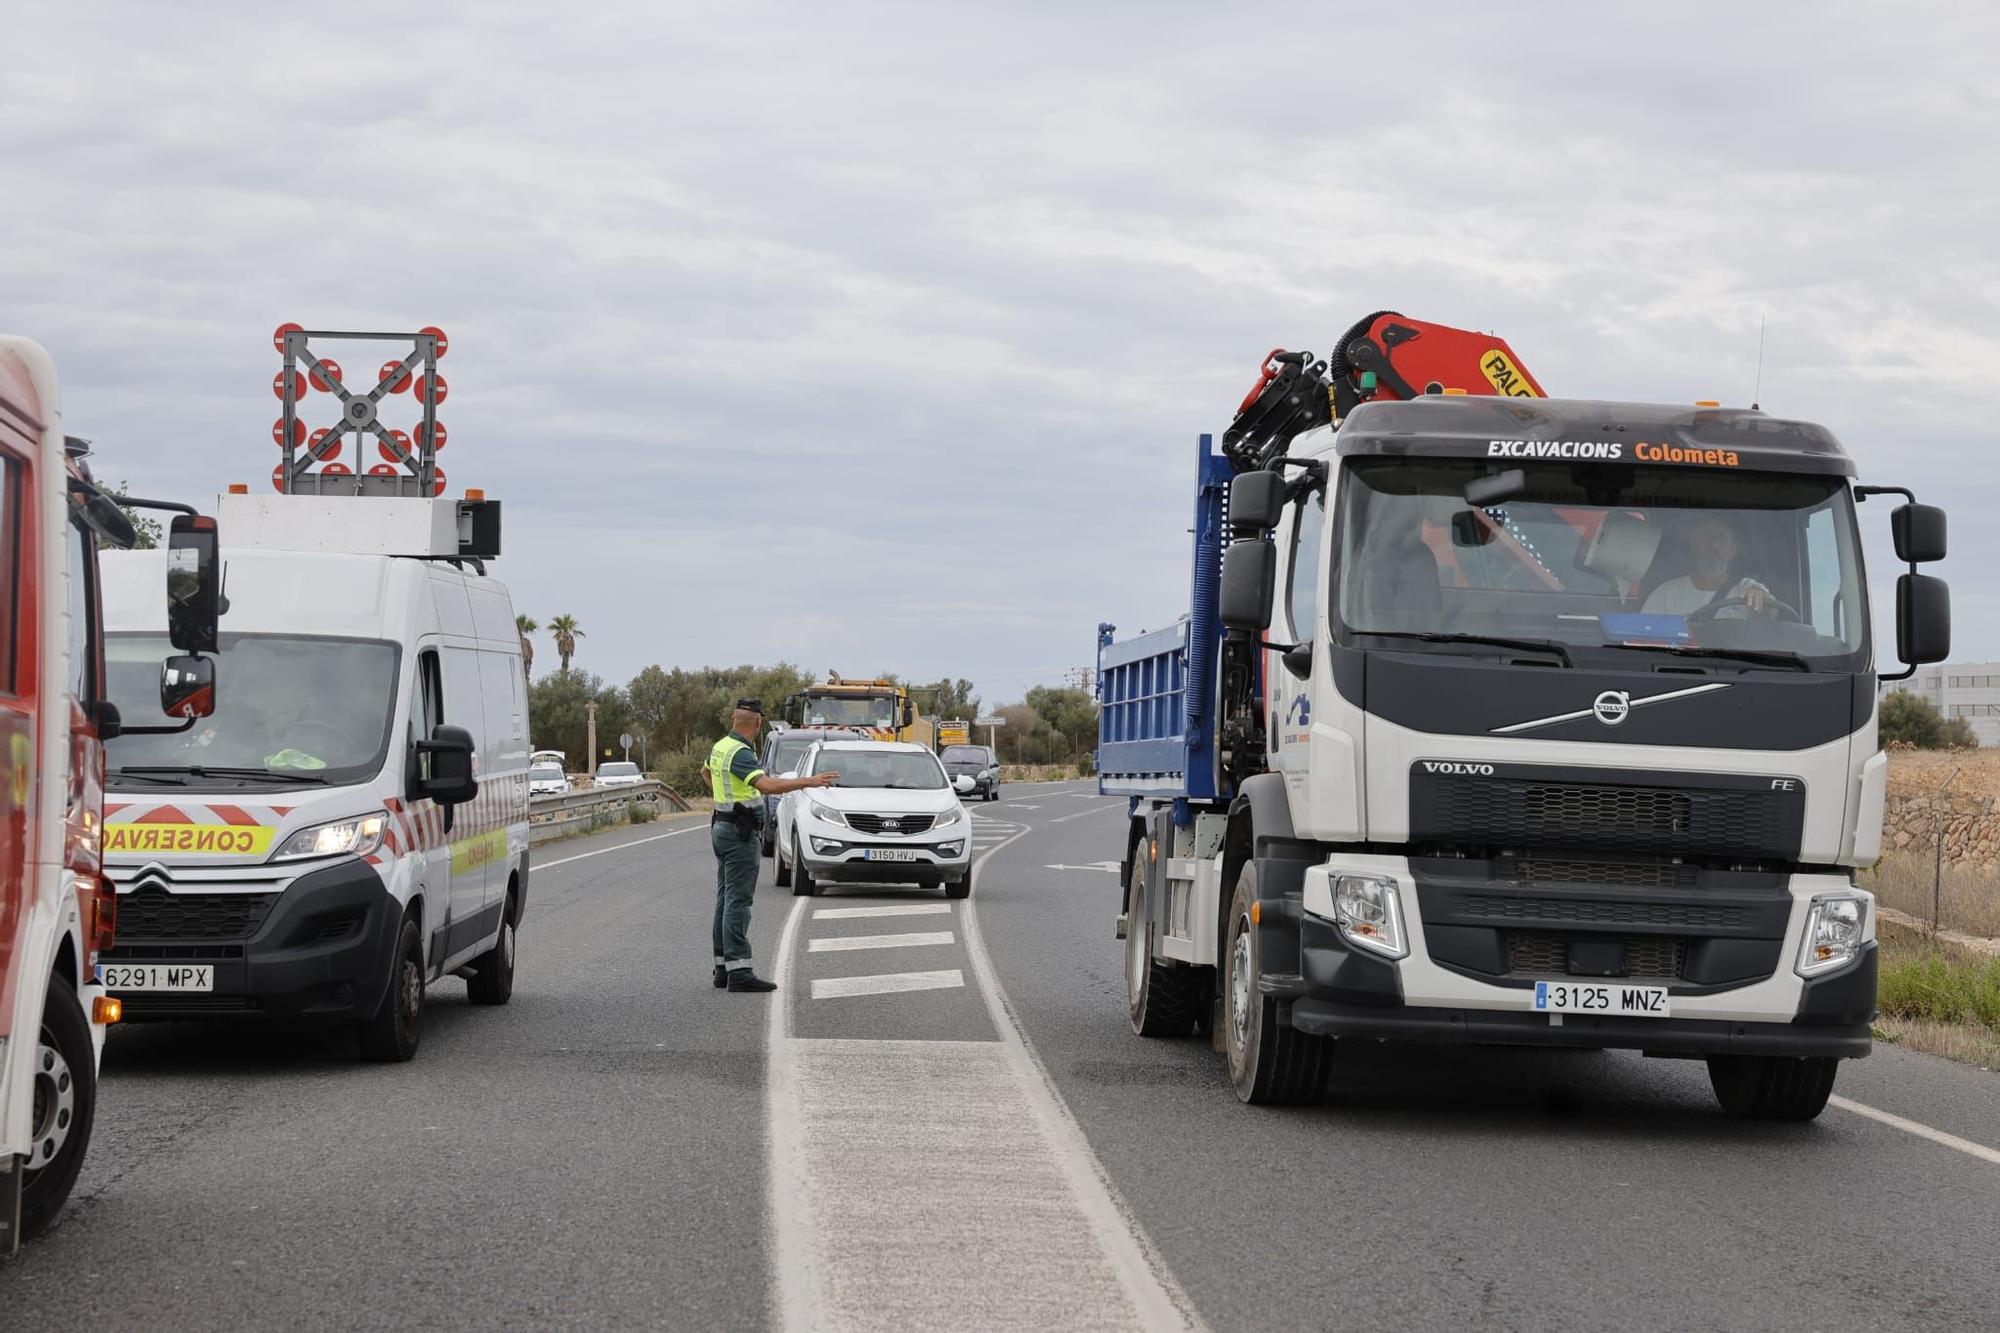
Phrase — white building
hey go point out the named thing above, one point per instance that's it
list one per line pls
(1970, 690)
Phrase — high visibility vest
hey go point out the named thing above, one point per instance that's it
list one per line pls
(729, 790)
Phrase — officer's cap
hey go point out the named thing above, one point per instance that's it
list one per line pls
(750, 706)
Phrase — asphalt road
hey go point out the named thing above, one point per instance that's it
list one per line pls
(946, 1122)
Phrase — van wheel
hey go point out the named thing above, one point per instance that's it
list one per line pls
(803, 884)
(1160, 1001)
(392, 1034)
(63, 1107)
(1271, 1063)
(1772, 1087)
(493, 971)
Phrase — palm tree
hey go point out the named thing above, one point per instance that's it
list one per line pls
(566, 632)
(524, 626)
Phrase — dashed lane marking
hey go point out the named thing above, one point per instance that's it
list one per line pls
(1922, 1131)
(606, 851)
(908, 939)
(887, 983)
(903, 909)
(1109, 867)
(1094, 810)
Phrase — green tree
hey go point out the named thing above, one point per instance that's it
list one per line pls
(524, 626)
(566, 633)
(1909, 717)
(947, 699)
(558, 715)
(148, 530)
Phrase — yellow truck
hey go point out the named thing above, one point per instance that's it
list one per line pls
(882, 708)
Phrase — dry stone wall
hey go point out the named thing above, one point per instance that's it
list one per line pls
(1956, 792)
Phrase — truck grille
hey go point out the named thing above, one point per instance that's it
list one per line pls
(151, 913)
(890, 823)
(1528, 871)
(1602, 912)
(1532, 812)
(1647, 957)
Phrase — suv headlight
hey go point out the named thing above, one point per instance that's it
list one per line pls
(1368, 909)
(949, 817)
(1836, 928)
(827, 813)
(347, 837)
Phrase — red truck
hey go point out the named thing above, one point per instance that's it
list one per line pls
(56, 907)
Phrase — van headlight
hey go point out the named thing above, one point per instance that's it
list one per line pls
(1836, 928)
(1368, 909)
(347, 837)
(827, 813)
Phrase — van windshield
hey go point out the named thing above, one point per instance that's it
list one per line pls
(289, 710)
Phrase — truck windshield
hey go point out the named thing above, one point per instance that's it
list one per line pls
(309, 711)
(829, 710)
(908, 770)
(1606, 561)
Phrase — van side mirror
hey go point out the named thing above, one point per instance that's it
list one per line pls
(187, 687)
(444, 766)
(1923, 617)
(1919, 533)
(1249, 583)
(1256, 500)
(194, 584)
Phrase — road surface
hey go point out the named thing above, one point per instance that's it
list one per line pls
(947, 1123)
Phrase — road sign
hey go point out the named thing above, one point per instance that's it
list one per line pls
(989, 721)
(953, 733)
(625, 739)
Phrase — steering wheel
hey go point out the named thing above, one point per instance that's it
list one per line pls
(1782, 610)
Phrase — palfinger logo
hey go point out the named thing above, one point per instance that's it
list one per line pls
(214, 839)
(1505, 377)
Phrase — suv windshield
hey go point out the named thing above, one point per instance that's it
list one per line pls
(847, 711)
(618, 770)
(910, 770)
(1603, 559)
(545, 773)
(964, 754)
(310, 709)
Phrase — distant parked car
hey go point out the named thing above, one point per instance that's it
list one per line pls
(547, 780)
(620, 774)
(977, 762)
(782, 752)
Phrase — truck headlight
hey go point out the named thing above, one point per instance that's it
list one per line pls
(827, 813)
(1836, 928)
(347, 837)
(1369, 911)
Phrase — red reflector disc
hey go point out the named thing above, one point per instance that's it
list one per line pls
(432, 389)
(278, 479)
(328, 369)
(438, 489)
(389, 454)
(441, 435)
(278, 335)
(444, 343)
(278, 384)
(394, 369)
(278, 432)
(336, 470)
(384, 470)
(313, 445)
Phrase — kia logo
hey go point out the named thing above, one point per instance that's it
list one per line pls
(889, 824)
(1611, 707)
(1462, 770)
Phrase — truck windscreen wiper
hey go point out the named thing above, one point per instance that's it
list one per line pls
(1528, 645)
(1774, 657)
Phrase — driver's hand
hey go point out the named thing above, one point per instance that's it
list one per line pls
(1758, 598)
(826, 779)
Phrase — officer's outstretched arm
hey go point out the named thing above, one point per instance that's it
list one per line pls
(770, 786)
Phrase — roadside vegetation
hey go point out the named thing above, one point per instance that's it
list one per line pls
(1939, 998)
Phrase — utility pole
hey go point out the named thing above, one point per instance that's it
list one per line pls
(590, 727)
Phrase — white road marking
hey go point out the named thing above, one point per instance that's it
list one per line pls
(908, 939)
(535, 865)
(886, 983)
(1111, 867)
(904, 909)
(1021, 805)
(1094, 810)
(1938, 1136)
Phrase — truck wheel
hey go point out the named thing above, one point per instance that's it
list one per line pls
(1772, 1087)
(1271, 1063)
(392, 1034)
(1159, 1001)
(803, 884)
(493, 971)
(64, 1105)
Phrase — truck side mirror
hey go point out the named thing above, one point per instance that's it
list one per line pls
(1249, 582)
(444, 766)
(194, 584)
(1256, 499)
(1923, 616)
(1919, 532)
(187, 687)
(909, 712)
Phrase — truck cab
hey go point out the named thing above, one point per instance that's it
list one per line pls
(1531, 722)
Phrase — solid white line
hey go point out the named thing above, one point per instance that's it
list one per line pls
(910, 909)
(908, 939)
(535, 865)
(792, 1264)
(886, 983)
(1938, 1136)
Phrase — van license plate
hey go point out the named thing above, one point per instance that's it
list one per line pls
(1599, 997)
(889, 854)
(156, 976)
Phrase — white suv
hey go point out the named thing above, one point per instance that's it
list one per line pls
(893, 818)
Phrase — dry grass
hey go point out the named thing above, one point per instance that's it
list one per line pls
(1937, 998)
(1920, 772)
(1970, 900)
(1953, 1041)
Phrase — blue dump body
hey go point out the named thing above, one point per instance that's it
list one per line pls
(1157, 723)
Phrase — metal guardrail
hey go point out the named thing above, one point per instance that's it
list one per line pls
(568, 812)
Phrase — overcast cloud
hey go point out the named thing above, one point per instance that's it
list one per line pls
(877, 336)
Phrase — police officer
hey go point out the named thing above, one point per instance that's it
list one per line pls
(739, 787)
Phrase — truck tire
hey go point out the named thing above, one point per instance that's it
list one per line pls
(392, 1034)
(1271, 1063)
(1159, 1001)
(65, 1105)
(1772, 1087)
(803, 884)
(493, 971)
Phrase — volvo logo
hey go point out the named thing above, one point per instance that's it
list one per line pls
(1462, 770)
(1611, 707)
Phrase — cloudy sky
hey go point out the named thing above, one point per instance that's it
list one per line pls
(878, 336)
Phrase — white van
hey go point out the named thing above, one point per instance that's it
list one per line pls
(351, 823)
